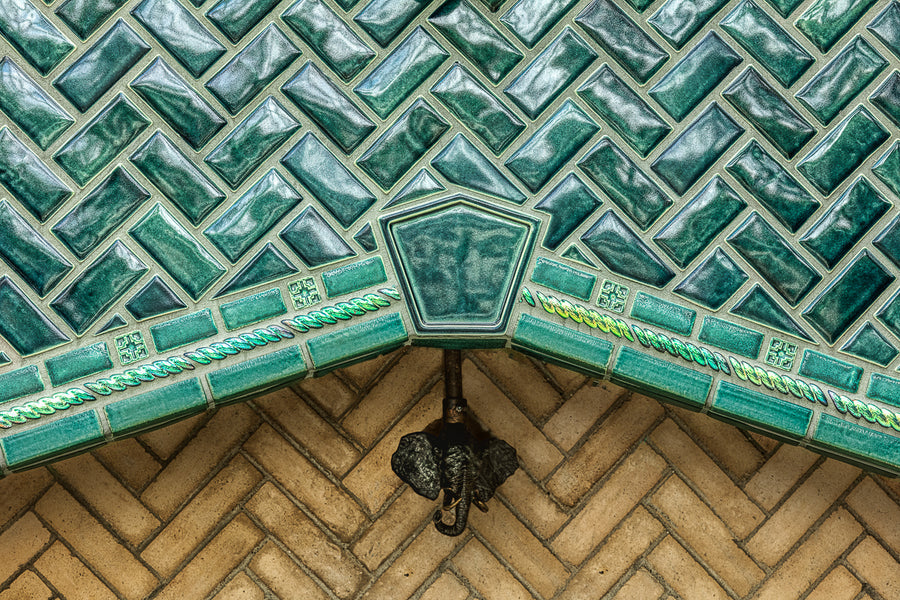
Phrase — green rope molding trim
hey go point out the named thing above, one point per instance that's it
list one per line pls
(173, 365)
(707, 358)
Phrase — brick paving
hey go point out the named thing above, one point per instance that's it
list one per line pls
(292, 497)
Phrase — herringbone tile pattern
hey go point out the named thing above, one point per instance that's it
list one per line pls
(291, 496)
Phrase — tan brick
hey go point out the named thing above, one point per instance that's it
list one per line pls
(812, 558)
(283, 576)
(19, 490)
(603, 448)
(487, 575)
(95, 544)
(533, 503)
(526, 553)
(107, 497)
(580, 412)
(507, 422)
(392, 528)
(305, 425)
(192, 465)
(166, 441)
(640, 586)
(726, 442)
(392, 394)
(307, 483)
(522, 380)
(878, 511)
(615, 557)
(876, 567)
(130, 461)
(69, 576)
(336, 567)
(362, 374)
(800, 511)
(604, 510)
(839, 584)
(445, 587)
(727, 499)
(329, 392)
(569, 380)
(20, 543)
(201, 515)
(26, 586)
(217, 559)
(779, 474)
(707, 535)
(679, 569)
(240, 587)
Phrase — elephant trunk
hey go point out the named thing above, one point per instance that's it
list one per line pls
(459, 485)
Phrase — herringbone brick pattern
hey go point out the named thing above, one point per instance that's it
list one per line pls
(291, 496)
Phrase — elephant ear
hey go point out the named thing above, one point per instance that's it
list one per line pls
(498, 461)
(416, 462)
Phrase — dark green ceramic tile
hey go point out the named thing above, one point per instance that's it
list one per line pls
(623, 252)
(713, 282)
(32, 257)
(357, 342)
(354, 277)
(29, 107)
(831, 371)
(758, 306)
(530, 20)
(886, 26)
(154, 299)
(884, 389)
(257, 374)
(156, 408)
(252, 309)
(870, 344)
(182, 331)
(826, 21)
(33, 35)
(562, 345)
(662, 313)
(85, 16)
(20, 382)
(761, 412)
(785, 7)
(383, 20)
(888, 241)
(235, 18)
(889, 314)
(78, 363)
(851, 441)
(887, 169)
(365, 238)
(652, 375)
(678, 20)
(460, 162)
(887, 97)
(26, 328)
(314, 240)
(180, 33)
(569, 204)
(563, 278)
(28, 179)
(65, 436)
(421, 186)
(731, 337)
(267, 265)
(114, 323)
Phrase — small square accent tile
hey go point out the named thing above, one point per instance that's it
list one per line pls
(304, 293)
(131, 348)
(781, 354)
(613, 296)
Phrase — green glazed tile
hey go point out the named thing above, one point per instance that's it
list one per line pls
(85, 16)
(568, 204)
(889, 315)
(785, 7)
(365, 238)
(357, 342)
(180, 33)
(28, 179)
(552, 146)
(252, 309)
(761, 412)
(831, 371)
(26, 328)
(385, 19)
(252, 215)
(259, 373)
(314, 240)
(662, 313)
(678, 20)
(713, 282)
(78, 363)
(235, 18)
(888, 241)
(251, 142)
(65, 436)
(116, 322)
(758, 306)
(826, 21)
(29, 107)
(4, 359)
(267, 265)
(421, 186)
(461, 163)
(574, 254)
(156, 408)
(851, 441)
(731, 337)
(177, 251)
(887, 97)
(887, 169)
(35, 37)
(32, 257)
(779, 53)
(563, 278)
(673, 383)
(101, 140)
(885, 389)
(354, 277)
(886, 26)
(182, 331)
(624, 253)
(870, 344)
(562, 345)
(98, 286)
(20, 382)
(154, 299)
(530, 20)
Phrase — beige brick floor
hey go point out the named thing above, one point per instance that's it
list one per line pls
(291, 496)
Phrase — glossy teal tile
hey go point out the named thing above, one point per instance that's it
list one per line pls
(28, 179)
(563, 278)
(662, 313)
(695, 76)
(32, 257)
(252, 215)
(36, 38)
(354, 277)
(85, 16)
(848, 440)
(257, 374)
(29, 107)
(550, 73)
(885, 389)
(758, 306)
(98, 69)
(660, 378)
(562, 345)
(335, 187)
(400, 147)
(697, 149)
(180, 33)
(841, 80)
(421, 186)
(847, 220)
(252, 309)
(269, 264)
(713, 282)
(248, 73)
(700, 222)
(545, 153)
(19, 383)
(251, 142)
(785, 7)
(773, 186)
(476, 38)
(530, 20)
(624, 253)
(831, 371)
(870, 344)
(396, 76)
(623, 110)
(98, 286)
(235, 18)
(887, 169)
(886, 26)
(575, 254)
(357, 342)
(155, 408)
(678, 20)
(568, 204)
(78, 363)
(154, 299)
(4, 359)
(52, 441)
(101, 140)
(314, 240)
(887, 97)
(26, 328)
(760, 412)
(779, 53)
(478, 109)
(100, 212)
(177, 251)
(385, 19)
(621, 38)
(365, 238)
(116, 322)
(329, 37)
(182, 331)
(826, 21)
(770, 113)
(731, 337)
(461, 163)
(621, 179)
(889, 315)
(328, 107)
(175, 101)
